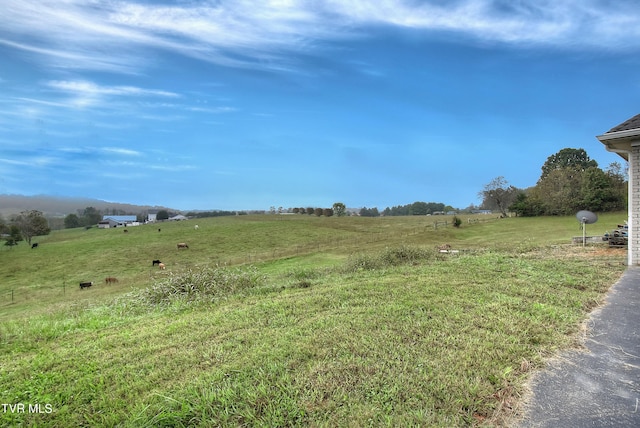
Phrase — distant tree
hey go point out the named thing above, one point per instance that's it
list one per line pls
(570, 182)
(369, 212)
(397, 210)
(559, 193)
(575, 159)
(318, 212)
(31, 223)
(301, 210)
(327, 212)
(90, 216)
(296, 210)
(310, 210)
(599, 192)
(71, 221)
(498, 194)
(618, 179)
(339, 209)
(525, 206)
(162, 215)
(14, 236)
(419, 208)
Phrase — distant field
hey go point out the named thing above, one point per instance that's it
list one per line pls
(298, 320)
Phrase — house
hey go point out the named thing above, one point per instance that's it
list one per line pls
(109, 221)
(624, 139)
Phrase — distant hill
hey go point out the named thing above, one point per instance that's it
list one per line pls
(58, 206)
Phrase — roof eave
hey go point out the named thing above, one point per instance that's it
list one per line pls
(621, 142)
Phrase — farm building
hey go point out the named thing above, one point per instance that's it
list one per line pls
(152, 216)
(624, 139)
(178, 217)
(109, 221)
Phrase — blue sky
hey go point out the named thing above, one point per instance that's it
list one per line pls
(247, 105)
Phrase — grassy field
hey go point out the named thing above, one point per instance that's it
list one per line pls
(293, 320)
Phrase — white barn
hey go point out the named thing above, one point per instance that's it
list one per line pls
(109, 221)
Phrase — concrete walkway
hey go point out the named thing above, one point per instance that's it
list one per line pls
(599, 387)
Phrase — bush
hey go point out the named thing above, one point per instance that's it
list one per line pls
(358, 262)
(404, 255)
(390, 257)
(206, 284)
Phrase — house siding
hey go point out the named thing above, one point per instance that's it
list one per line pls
(634, 205)
(624, 140)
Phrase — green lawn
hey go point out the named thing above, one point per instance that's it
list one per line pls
(293, 320)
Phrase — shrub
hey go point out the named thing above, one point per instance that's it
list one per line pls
(404, 255)
(207, 284)
(361, 261)
(390, 257)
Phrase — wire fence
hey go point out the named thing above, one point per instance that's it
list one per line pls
(14, 296)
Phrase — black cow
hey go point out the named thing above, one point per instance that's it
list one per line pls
(155, 262)
(85, 285)
(34, 245)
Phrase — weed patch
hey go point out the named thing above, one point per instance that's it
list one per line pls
(196, 285)
(389, 257)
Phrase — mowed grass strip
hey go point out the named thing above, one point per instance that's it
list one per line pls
(400, 337)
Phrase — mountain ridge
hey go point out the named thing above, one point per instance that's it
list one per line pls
(60, 206)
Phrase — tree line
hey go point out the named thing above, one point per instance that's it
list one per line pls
(23, 227)
(416, 208)
(570, 181)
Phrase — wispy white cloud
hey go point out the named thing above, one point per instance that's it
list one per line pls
(87, 88)
(121, 35)
(85, 93)
(121, 151)
(15, 162)
(174, 168)
(65, 57)
(565, 24)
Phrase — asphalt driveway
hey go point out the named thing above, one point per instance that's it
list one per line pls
(599, 386)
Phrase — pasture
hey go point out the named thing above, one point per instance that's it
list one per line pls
(293, 320)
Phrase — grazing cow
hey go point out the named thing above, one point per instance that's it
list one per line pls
(161, 266)
(125, 231)
(84, 285)
(182, 245)
(34, 245)
(110, 280)
(155, 262)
